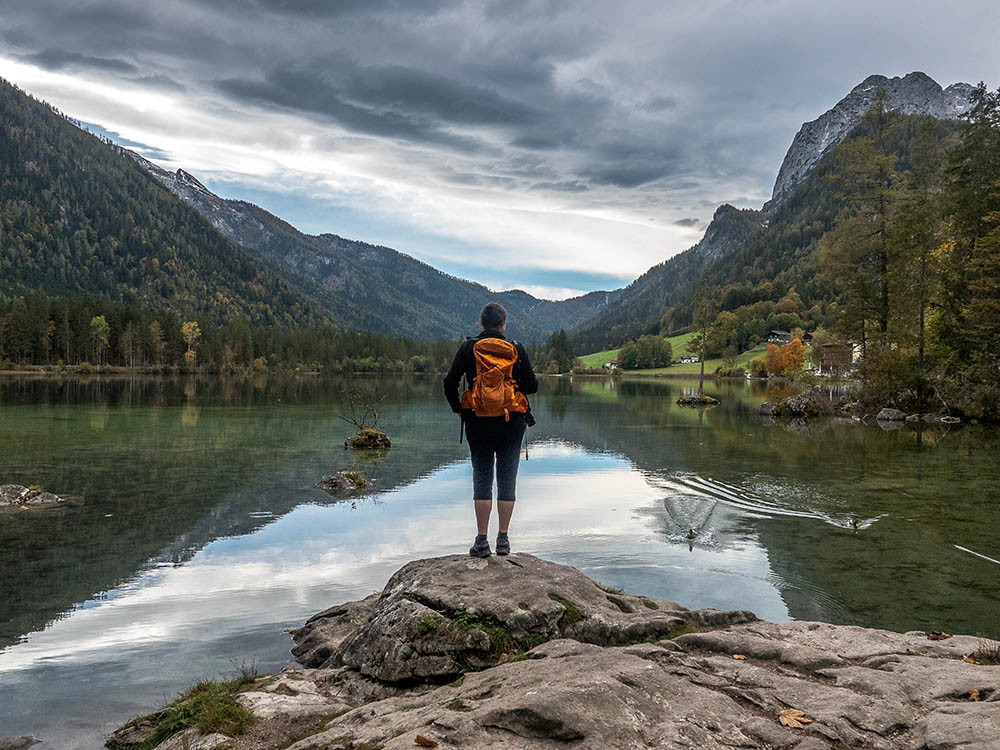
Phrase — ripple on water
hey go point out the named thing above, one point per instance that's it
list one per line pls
(762, 496)
(819, 603)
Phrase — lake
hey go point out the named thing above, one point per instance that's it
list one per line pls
(197, 532)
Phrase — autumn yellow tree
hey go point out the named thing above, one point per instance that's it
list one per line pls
(782, 360)
(774, 361)
(793, 355)
(190, 332)
(99, 334)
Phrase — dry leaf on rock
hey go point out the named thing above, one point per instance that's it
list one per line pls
(937, 635)
(424, 741)
(792, 717)
(740, 657)
(973, 694)
(969, 659)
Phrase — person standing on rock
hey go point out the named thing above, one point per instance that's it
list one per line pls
(494, 414)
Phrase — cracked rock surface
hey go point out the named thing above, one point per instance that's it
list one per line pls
(525, 653)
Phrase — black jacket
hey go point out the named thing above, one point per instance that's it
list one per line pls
(465, 364)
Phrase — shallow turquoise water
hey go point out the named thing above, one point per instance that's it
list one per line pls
(197, 532)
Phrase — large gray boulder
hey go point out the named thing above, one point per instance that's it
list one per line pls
(439, 618)
(815, 402)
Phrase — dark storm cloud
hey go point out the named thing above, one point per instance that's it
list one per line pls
(660, 103)
(436, 73)
(306, 91)
(638, 94)
(313, 9)
(55, 59)
(408, 89)
(160, 82)
(627, 164)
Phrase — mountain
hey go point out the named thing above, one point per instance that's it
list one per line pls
(78, 218)
(749, 257)
(640, 306)
(371, 287)
(914, 94)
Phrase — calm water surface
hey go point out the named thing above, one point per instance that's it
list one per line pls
(197, 532)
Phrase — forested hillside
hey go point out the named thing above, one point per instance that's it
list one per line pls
(890, 244)
(372, 287)
(641, 306)
(765, 267)
(76, 217)
(775, 279)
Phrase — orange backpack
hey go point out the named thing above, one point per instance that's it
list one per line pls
(492, 393)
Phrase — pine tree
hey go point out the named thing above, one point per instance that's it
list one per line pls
(857, 252)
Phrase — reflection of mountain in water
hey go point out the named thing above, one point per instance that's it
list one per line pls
(795, 487)
(180, 488)
(230, 457)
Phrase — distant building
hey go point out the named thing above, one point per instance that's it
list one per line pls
(689, 360)
(612, 365)
(779, 337)
(838, 358)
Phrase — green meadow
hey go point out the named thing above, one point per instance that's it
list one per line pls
(678, 345)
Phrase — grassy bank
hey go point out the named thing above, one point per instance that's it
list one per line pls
(678, 345)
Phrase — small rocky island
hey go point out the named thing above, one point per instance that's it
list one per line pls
(18, 497)
(518, 652)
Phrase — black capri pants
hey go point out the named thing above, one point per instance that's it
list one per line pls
(494, 438)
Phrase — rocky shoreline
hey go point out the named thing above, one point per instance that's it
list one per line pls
(815, 402)
(519, 652)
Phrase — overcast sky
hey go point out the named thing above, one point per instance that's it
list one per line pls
(556, 146)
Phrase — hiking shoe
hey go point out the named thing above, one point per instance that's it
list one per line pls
(503, 544)
(480, 548)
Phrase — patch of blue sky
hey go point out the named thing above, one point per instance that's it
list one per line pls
(322, 216)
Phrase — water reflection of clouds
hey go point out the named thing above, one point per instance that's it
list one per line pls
(574, 506)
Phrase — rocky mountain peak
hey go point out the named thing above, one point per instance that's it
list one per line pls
(729, 228)
(189, 179)
(912, 94)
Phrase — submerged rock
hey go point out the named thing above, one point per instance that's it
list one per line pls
(368, 439)
(538, 656)
(14, 496)
(344, 483)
